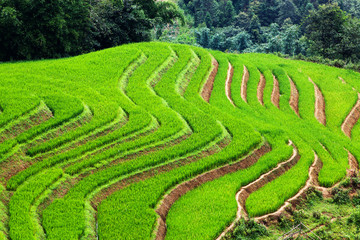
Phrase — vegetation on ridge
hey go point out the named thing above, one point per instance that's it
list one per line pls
(128, 124)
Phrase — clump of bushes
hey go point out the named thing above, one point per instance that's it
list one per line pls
(316, 215)
(356, 199)
(340, 196)
(355, 219)
(312, 196)
(245, 230)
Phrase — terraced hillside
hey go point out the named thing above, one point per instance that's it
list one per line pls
(167, 141)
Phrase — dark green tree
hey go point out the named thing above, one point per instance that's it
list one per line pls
(255, 29)
(268, 12)
(117, 22)
(210, 7)
(9, 25)
(242, 41)
(167, 13)
(242, 20)
(225, 13)
(350, 42)
(216, 41)
(325, 30)
(350, 6)
(42, 29)
(309, 7)
(290, 39)
(208, 20)
(289, 10)
(203, 37)
(241, 5)
(34, 29)
(229, 13)
(274, 44)
(273, 38)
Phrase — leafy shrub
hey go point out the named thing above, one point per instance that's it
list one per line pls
(300, 214)
(316, 215)
(247, 230)
(323, 234)
(355, 181)
(355, 218)
(345, 183)
(285, 223)
(313, 196)
(340, 196)
(356, 200)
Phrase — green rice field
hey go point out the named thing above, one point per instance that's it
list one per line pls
(156, 140)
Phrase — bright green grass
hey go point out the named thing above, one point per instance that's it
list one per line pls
(156, 88)
(273, 195)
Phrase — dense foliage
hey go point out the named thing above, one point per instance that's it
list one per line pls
(46, 29)
(33, 29)
(333, 34)
(329, 29)
(247, 230)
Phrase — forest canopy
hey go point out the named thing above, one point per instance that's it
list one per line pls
(328, 29)
(316, 29)
(35, 29)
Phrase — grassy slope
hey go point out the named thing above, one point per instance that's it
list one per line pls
(158, 112)
(272, 195)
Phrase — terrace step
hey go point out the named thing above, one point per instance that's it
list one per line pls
(260, 89)
(187, 186)
(275, 95)
(351, 119)
(294, 98)
(319, 104)
(244, 83)
(229, 77)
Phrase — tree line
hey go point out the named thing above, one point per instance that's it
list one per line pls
(315, 29)
(312, 28)
(35, 29)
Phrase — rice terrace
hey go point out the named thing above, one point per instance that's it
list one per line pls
(169, 141)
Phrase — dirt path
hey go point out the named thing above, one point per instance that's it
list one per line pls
(313, 176)
(354, 165)
(42, 115)
(354, 169)
(275, 95)
(351, 119)
(245, 191)
(229, 77)
(244, 83)
(104, 193)
(342, 80)
(72, 124)
(311, 182)
(187, 186)
(108, 129)
(18, 161)
(209, 85)
(260, 89)
(117, 185)
(294, 98)
(319, 104)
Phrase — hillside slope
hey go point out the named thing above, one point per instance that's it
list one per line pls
(154, 140)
